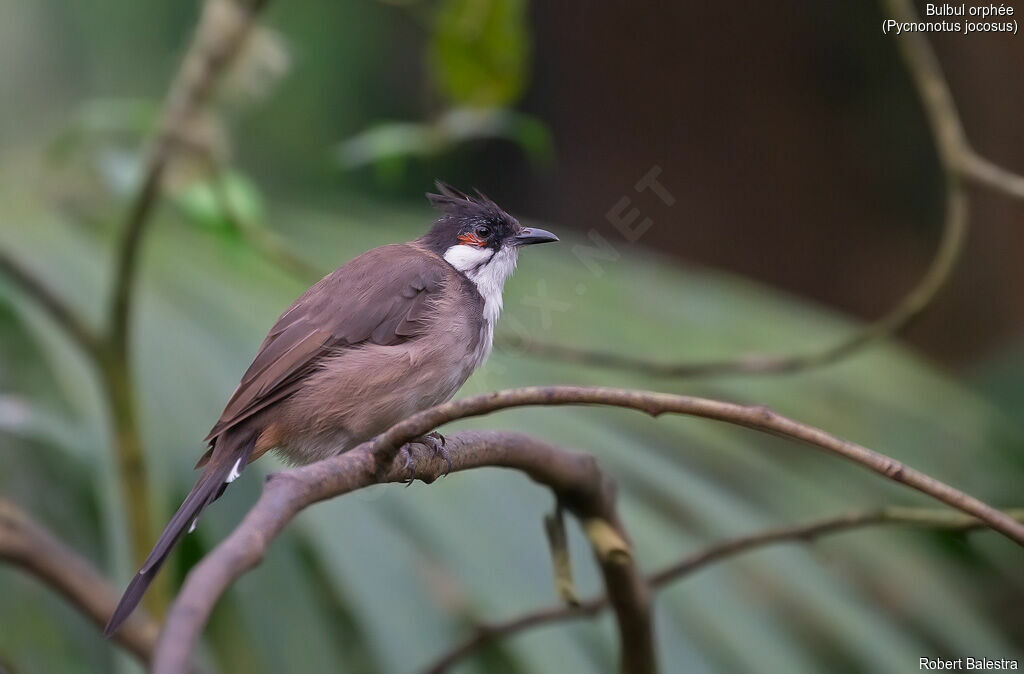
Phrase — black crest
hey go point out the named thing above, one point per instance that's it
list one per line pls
(461, 212)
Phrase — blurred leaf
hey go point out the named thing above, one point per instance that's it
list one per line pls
(480, 51)
(388, 142)
(223, 201)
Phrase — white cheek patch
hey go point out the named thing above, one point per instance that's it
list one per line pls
(465, 257)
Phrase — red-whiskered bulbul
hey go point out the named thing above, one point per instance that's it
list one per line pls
(394, 331)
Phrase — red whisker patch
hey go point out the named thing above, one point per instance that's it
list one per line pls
(471, 239)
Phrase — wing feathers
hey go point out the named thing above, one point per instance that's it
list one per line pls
(381, 297)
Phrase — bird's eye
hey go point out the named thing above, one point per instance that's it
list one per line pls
(483, 231)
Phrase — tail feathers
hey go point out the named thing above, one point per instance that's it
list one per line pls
(222, 469)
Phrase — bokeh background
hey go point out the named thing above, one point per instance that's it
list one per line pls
(807, 198)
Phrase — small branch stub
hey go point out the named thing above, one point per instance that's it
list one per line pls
(608, 545)
(565, 586)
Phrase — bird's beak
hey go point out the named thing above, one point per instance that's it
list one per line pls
(532, 235)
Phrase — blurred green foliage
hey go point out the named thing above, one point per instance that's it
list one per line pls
(221, 201)
(479, 51)
(389, 145)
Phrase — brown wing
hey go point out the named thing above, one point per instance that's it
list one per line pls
(381, 297)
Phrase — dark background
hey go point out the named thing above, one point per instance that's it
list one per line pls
(795, 146)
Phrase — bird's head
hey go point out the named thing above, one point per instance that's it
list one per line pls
(474, 235)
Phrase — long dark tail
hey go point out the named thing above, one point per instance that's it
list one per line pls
(229, 457)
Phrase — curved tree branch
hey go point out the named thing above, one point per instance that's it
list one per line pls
(287, 493)
(755, 417)
(943, 520)
(575, 477)
(28, 545)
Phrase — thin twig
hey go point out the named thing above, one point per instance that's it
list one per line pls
(28, 545)
(927, 518)
(290, 492)
(62, 314)
(955, 152)
(575, 477)
(984, 172)
(561, 563)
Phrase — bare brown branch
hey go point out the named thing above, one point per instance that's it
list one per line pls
(757, 418)
(29, 546)
(926, 518)
(575, 477)
(287, 493)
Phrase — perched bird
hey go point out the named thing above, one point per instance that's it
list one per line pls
(394, 331)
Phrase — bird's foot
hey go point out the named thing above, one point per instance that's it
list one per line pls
(435, 443)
